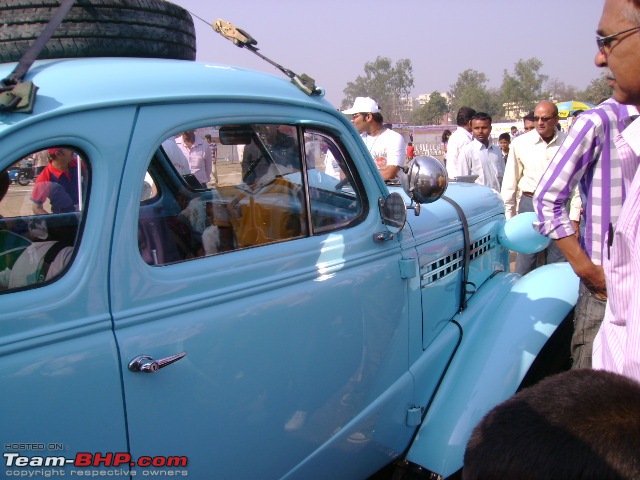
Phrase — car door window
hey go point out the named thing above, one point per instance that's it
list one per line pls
(333, 191)
(258, 192)
(43, 199)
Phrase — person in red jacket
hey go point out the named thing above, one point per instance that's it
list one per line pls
(411, 152)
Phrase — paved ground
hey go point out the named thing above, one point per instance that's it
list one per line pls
(16, 202)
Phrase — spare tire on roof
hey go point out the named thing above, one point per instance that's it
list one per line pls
(98, 28)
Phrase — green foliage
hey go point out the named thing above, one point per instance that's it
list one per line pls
(597, 91)
(525, 86)
(390, 85)
(432, 112)
(386, 83)
(470, 90)
(561, 92)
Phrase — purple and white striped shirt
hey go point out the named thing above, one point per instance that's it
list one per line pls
(617, 345)
(588, 157)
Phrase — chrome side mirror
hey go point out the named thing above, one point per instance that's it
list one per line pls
(424, 180)
(518, 234)
(393, 212)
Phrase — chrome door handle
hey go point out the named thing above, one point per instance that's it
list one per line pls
(146, 363)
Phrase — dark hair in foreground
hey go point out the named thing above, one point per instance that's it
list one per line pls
(581, 424)
(377, 117)
(505, 136)
(464, 116)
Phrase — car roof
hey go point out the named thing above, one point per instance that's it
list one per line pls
(65, 85)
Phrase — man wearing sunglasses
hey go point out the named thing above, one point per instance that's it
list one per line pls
(387, 148)
(617, 344)
(529, 157)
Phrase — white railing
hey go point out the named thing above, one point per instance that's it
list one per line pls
(429, 149)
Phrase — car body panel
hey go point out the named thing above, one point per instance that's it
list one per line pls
(258, 347)
(58, 356)
(486, 369)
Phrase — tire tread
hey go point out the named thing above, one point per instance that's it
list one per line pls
(98, 28)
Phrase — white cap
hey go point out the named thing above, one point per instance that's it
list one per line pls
(363, 105)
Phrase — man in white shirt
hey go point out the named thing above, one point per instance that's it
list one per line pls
(176, 157)
(387, 148)
(459, 139)
(481, 157)
(198, 154)
(617, 345)
(529, 157)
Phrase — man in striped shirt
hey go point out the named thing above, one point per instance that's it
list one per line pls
(588, 158)
(617, 344)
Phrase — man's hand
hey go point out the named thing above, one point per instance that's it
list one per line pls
(389, 172)
(594, 280)
(592, 275)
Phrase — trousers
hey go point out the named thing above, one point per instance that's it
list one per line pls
(588, 316)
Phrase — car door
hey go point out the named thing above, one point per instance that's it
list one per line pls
(293, 320)
(59, 368)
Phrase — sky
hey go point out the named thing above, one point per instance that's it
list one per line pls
(331, 40)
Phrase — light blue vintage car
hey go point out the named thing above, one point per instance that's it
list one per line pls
(284, 322)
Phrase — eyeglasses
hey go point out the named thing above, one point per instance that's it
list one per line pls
(356, 115)
(544, 119)
(604, 43)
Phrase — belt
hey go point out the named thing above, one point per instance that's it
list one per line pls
(528, 194)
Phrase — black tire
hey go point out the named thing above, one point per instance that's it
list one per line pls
(555, 356)
(23, 179)
(98, 28)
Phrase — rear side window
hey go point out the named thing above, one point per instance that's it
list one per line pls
(228, 188)
(43, 199)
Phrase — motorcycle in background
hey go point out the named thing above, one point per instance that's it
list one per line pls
(22, 173)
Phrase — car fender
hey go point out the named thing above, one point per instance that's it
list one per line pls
(496, 351)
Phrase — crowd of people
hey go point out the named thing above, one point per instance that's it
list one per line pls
(577, 183)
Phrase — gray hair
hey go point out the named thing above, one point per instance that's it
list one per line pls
(632, 11)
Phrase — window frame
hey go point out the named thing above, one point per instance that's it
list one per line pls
(53, 219)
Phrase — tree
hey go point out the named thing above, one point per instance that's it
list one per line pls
(387, 84)
(470, 91)
(597, 91)
(560, 91)
(524, 87)
(432, 112)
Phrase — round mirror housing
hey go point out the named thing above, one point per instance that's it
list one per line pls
(518, 234)
(425, 179)
(393, 212)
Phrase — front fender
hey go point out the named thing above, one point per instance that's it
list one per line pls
(496, 352)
